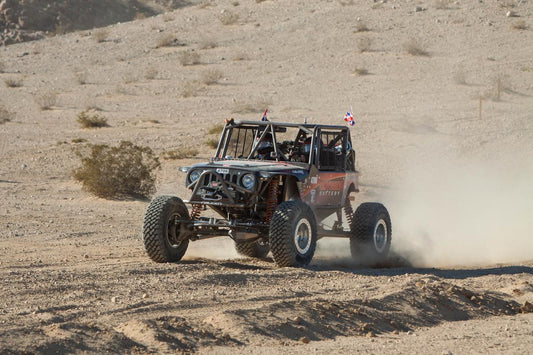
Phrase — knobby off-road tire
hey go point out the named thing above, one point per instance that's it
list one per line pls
(255, 249)
(160, 233)
(293, 235)
(371, 234)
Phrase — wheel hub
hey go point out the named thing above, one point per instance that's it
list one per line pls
(380, 236)
(302, 236)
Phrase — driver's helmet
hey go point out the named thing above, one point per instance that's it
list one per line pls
(307, 145)
(265, 144)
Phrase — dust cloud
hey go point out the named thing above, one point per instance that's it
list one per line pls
(464, 213)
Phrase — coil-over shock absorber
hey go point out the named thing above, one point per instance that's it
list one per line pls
(272, 198)
(348, 211)
(196, 211)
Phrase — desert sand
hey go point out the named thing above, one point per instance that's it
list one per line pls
(444, 138)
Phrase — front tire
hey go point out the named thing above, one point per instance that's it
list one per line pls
(255, 249)
(371, 234)
(160, 231)
(293, 235)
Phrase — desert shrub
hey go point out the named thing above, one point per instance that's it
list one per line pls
(498, 84)
(191, 88)
(238, 56)
(364, 44)
(91, 121)
(360, 26)
(519, 25)
(229, 18)
(100, 35)
(81, 77)
(168, 17)
(211, 76)
(13, 82)
(47, 100)
(78, 140)
(2, 67)
(415, 47)
(114, 172)
(216, 129)
(189, 57)
(167, 40)
(5, 115)
(251, 107)
(212, 143)
(181, 153)
(207, 44)
(346, 2)
(459, 76)
(151, 73)
(442, 4)
(360, 71)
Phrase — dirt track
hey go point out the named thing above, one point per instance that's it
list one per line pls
(450, 159)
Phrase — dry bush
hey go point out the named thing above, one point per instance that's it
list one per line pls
(251, 107)
(364, 44)
(191, 88)
(91, 121)
(205, 4)
(46, 101)
(346, 2)
(129, 78)
(212, 143)
(5, 115)
(238, 56)
(361, 71)
(189, 57)
(211, 76)
(167, 40)
(13, 82)
(115, 172)
(78, 140)
(181, 153)
(207, 44)
(100, 35)
(499, 84)
(442, 4)
(216, 129)
(81, 77)
(361, 26)
(229, 18)
(151, 73)
(415, 47)
(235, 3)
(168, 17)
(519, 25)
(459, 76)
(2, 67)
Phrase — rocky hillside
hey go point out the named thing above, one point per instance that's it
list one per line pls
(27, 20)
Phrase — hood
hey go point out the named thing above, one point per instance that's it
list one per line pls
(299, 170)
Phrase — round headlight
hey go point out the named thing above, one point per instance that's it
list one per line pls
(248, 181)
(195, 174)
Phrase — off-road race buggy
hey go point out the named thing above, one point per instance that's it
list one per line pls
(275, 186)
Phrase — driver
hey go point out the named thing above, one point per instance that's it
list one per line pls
(265, 147)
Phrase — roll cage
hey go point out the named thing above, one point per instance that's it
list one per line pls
(330, 146)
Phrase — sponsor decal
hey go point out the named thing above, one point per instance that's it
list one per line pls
(222, 171)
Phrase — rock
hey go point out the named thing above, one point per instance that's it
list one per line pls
(370, 334)
(305, 340)
(419, 9)
(145, 295)
(114, 299)
(511, 14)
(297, 320)
(446, 352)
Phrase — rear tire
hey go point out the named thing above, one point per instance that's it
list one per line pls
(160, 233)
(371, 234)
(292, 235)
(255, 249)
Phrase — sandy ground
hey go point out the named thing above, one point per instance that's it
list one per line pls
(451, 159)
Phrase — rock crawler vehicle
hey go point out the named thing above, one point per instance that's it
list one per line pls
(274, 187)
